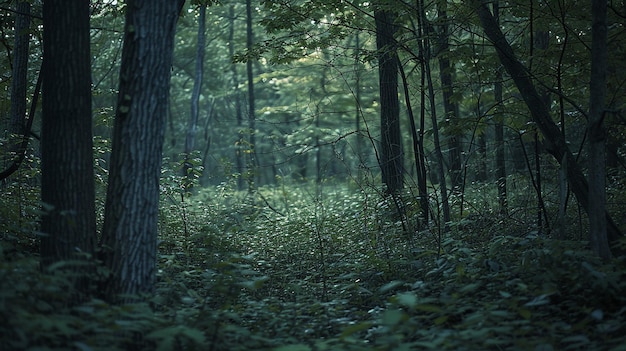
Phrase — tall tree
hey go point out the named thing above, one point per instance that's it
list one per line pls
(391, 158)
(19, 126)
(451, 107)
(239, 142)
(130, 225)
(596, 131)
(67, 177)
(555, 143)
(253, 162)
(425, 32)
(192, 125)
(499, 131)
(20, 72)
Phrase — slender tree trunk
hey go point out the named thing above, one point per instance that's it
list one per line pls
(451, 108)
(391, 158)
(19, 76)
(433, 114)
(418, 156)
(131, 212)
(358, 112)
(554, 141)
(253, 163)
(19, 126)
(597, 133)
(67, 177)
(499, 133)
(239, 143)
(192, 125)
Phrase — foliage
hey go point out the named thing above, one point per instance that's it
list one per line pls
(321, 267)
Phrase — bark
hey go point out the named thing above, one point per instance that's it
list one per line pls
(192, 125)
(597, 132)
(451, 108)
(252, 162)
(418, 147)
(554, 141)
(499, 133)
(19, 125)
(67, 177)
(130, 226)
(239, 142)
(433, 114)
(18, 81)
(391, 156)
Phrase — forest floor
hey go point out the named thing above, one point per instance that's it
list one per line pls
(335, 273)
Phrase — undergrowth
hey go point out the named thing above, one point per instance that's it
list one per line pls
(299, 268)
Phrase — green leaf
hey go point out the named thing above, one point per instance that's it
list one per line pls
(407, 299)
(392, 317)
(390, 286)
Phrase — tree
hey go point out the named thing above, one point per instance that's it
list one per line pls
(555, 143)
(68, 222)
(451, 107)
(20, 70)
(253, 161)
(192, 125)
(19, 126)
(129, 234)
(596, 131)
(391, 158)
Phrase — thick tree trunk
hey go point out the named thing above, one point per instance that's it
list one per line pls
(130, 225)
(554, 141)
(391, 156)
(67, 177)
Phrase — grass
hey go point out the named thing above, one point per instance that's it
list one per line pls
(331, 268)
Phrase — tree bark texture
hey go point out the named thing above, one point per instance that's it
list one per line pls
(131, 212)
(67, 176)
(597, 132)
(554, 141)
(391, 155)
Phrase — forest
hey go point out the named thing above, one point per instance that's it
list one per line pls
(312, 175)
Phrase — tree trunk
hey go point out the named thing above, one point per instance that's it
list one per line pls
(239, 142)
(19, 127)
(499, 133)
(131, 211)
(554, 141)
(597, 133)
(433, 114)
(418, 147)
(67, 177)
(20, 72)
(192, 126)
(391, 157)
(451, 108)
(253, 169)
